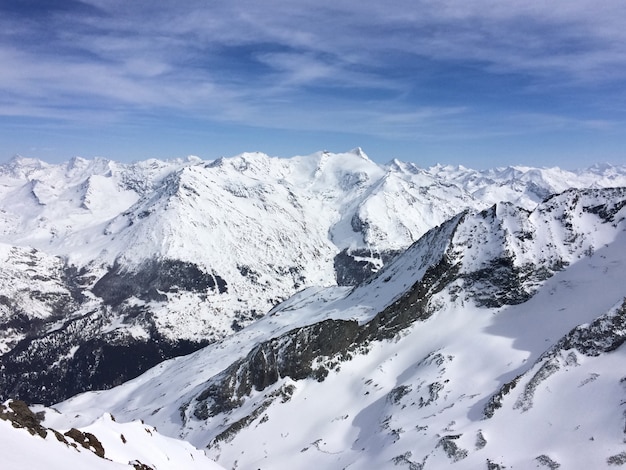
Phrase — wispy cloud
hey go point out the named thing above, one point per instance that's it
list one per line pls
(413, 66)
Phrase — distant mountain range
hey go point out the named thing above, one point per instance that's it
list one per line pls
(343, 313)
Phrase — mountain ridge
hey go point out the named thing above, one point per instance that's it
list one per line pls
(404, 368)
(167, 256)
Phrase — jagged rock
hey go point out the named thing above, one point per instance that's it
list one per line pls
(525, 400)
(397, 393)
(297, 353)
(86, 440)
(617, 459)
(101, 323)
(491, 465)
(405, 459)
(137, 465)
(21, 416)
(353, 267)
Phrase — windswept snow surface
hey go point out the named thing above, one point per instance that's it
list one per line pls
(125, 445)
(495, 376)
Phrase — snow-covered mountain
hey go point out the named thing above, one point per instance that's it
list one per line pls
(494, 341)
(109, 268)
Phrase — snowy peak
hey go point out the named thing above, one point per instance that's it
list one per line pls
(358, 151)
(255, 164)
(167, 256)
(22, 167)
(506, 251)
(397, 197)
(403, 167)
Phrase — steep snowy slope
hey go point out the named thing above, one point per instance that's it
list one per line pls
(495, 341)
(106, 444)
(110, 268)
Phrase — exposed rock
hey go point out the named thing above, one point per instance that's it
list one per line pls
(548, 462)
(491, 465)
(86, 440)
(405, 460)
(397, 393)
(481, 442)
(451, 448)
(82, 360)
(603, 335)
(21, 416)
(308, 351)
(154, 279)
(525, 400)
(352, 267)
(137, 465)
(617, 459)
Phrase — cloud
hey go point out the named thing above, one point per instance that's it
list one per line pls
(389, 69)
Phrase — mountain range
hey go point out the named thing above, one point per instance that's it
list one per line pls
(342, 313)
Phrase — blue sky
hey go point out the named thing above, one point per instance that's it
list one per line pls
(481, 83)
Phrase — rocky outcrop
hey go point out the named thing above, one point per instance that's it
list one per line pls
(311, 351)
(154, 279)
(603, 335)
(353, 267)
(20, 415)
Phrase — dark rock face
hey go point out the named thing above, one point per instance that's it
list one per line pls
(495, 401)
(77, 358)
(290, 355)
(491, 465)
(50, 364)
(608, 211)
(310, 351)
(86, 440)
(546, 461)
(352, 267)
(605, 334)
(153, 279)
(502, 283)
(451, 449)
(67, 352)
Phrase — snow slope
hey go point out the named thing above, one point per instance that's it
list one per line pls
(495, 341)
(105, 444)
